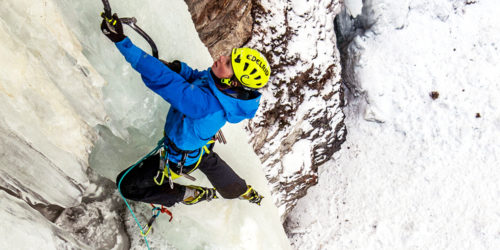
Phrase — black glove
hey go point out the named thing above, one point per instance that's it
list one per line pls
(174, 66)
(112, 28)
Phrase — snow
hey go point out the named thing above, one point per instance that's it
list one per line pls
(300, 150)
(414, 173)
(353, 7)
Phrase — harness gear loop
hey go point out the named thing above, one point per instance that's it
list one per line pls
(163, 167)
(180, 164)
(165, 170)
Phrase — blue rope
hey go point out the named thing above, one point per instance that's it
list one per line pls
(160, 144)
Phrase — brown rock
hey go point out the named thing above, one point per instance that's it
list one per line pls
(222, 25)
(434, 95)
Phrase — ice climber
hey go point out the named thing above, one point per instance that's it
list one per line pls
(201, 103)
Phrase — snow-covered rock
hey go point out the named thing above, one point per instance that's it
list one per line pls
(299, 125)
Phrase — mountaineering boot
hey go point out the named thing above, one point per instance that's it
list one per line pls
(195, 194)
(252, 196)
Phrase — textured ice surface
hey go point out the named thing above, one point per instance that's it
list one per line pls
(54, 64)
(25, 228)
(49, 99)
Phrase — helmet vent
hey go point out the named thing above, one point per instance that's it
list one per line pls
(253, 71)
(245, 67)
(257, 78)
(238, 59)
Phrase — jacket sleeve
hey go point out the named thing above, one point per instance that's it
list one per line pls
(188, 73)
(187, 98)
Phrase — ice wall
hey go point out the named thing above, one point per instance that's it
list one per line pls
(64, 85)
(18, 218)
(50, 99)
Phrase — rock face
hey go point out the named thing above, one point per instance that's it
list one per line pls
(299, 125)
(222, 25)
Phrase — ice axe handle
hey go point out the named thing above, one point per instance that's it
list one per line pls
(131, 21)
(107, 8)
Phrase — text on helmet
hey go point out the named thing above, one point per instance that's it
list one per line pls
(259, 62)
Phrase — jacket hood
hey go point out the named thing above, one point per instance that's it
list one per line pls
(236, 109)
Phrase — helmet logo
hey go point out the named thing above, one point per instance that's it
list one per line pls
(259, 62)
(244, 77)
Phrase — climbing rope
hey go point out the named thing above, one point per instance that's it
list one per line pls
(160, 144)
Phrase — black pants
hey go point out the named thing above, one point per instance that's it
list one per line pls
(139, 184)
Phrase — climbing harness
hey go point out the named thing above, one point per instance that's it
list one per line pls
(165, 170)
(130, 21)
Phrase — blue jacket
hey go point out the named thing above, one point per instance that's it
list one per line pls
(198, 109)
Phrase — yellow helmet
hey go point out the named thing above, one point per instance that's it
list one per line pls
(250, 67)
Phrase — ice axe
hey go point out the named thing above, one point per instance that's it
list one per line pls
(131, 22)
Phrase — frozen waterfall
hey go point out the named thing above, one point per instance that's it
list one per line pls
(63, 85)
